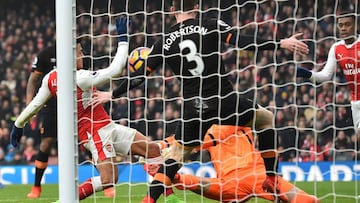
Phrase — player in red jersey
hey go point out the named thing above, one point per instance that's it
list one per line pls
(346, 53)
(97, 132)
(240, 170)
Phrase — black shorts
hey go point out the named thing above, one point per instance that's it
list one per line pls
(200, 114)
(47, 119)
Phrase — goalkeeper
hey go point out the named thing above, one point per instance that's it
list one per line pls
(97, 133)
(240, 170)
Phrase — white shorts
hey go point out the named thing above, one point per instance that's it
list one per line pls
(355, 109)
(110, 141)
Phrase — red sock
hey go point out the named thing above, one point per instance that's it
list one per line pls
(85, 189)
(168, 191)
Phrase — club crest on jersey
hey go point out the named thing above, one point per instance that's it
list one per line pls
(108, 147)
(358, 53)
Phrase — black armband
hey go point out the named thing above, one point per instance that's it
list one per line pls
(251, 43)
(303, 73)
(124, 86)
(136, 78)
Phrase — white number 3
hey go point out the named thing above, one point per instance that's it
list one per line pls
(193, 55)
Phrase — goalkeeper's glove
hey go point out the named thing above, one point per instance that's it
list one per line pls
(15, 135)
(121, 28)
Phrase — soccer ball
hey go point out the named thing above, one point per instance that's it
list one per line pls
(137, 58)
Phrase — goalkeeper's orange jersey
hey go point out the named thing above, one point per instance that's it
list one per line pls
(232, 147)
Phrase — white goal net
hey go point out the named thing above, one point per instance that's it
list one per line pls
(317, 141)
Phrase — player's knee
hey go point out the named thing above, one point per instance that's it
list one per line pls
(153, 150)
(264, 119)
(46, 144)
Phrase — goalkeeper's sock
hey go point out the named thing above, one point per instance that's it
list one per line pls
(90, 186)
(267, 146)
(41, 164)
(168, 191)
(163, 178)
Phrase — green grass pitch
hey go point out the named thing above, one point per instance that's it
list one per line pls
(328, 192)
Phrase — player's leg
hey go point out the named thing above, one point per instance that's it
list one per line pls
(267, 139)
(166, 173)
(294, 194)
(102, 147)
(108, 171)
(188, 136)
(144, 147)
(287, 192)
(48, 132)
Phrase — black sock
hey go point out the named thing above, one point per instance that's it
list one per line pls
(268, 141)
(169, 169)
(40, 166)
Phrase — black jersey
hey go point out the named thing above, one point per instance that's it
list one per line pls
(192, 50)
(44, 63)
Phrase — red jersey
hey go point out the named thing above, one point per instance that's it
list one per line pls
(348, 57)
(90, 118)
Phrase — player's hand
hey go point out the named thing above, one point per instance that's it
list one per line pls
(122, 28)
(293, 44)
(15, 135)
(100, 97)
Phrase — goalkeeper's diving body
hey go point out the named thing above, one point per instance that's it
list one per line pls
(97, 132)
(240, 170)
(192, 51)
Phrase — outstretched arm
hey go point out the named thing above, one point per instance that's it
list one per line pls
(249, 42)
(293, 44)
(34, 106)
(89, 79)
(325, 74)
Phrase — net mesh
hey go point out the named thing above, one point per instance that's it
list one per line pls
(313, 120)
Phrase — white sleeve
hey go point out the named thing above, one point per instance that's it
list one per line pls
(88, 79)
(35, 105)
(329, 69)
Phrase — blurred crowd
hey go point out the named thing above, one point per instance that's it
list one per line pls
(313, 120)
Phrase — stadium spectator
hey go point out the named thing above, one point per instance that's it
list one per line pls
(342, 150)
(3, 162)
(29, 151)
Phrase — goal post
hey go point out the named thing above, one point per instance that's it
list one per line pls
(66, 100)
